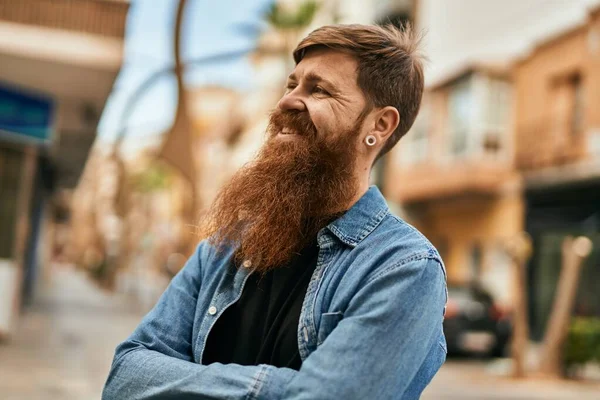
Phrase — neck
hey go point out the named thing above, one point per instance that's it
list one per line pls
(362, 186)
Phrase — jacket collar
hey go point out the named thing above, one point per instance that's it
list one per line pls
(361, 219)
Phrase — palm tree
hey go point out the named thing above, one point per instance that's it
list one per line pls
(291, 19)
(177, 148)
(289, 23)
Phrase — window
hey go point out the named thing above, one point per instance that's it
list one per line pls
(415, 145)
(497, 103)
(460, 110)
(496, 115)
(567, 106)
(478, 115)
(577, 104)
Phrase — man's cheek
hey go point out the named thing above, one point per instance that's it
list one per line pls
(320, 126)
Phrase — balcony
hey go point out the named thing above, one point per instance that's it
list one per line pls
(69, 51)
(547, 143)
(451, 178)
(461, 142)
(99, 17)
(550, 154)
(477, 160)
(64, 48)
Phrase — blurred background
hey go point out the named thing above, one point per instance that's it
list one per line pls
(119, 121)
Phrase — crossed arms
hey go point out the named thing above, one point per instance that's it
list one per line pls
(375, 351)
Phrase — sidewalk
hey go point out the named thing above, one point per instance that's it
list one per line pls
(64, 343)
(470, 380)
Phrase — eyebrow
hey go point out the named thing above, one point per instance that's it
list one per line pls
(314, 77)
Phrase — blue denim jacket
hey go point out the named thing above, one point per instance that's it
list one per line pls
(370, 326)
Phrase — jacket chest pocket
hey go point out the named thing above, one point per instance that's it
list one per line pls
(328, 323)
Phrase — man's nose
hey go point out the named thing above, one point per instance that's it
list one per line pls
(291, 102)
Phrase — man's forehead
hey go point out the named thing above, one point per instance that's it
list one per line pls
(338, 67)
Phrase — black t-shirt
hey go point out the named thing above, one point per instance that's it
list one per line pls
(261, 327)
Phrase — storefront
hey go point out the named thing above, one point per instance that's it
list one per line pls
(552, 214)
(59, 60)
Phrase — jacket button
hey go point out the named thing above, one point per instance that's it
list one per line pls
(247, 264)
(212, 310)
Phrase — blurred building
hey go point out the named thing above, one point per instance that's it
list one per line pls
(455, 176)
(215, 124)
(59, 60)
(94, 225)
(507, 140)
(557, 98)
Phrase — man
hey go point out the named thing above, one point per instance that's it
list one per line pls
(307, 287)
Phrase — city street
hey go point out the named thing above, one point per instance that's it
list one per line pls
(131, 130)
(472, 380)
(64, 344)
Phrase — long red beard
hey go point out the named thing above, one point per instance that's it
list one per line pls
(275, 205)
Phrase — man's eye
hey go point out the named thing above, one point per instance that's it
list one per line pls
(290, 86)
(320, 90)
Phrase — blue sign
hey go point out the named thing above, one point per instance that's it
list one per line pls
(25, 116)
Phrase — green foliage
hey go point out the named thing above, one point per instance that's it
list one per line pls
(281, 18)
(583, 342)
(153, 178)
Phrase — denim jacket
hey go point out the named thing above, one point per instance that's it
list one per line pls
(370, 325)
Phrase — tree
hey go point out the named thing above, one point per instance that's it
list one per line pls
(574, 252)
(154, 178)
(519, 249)
(177, 148)
(286, 19)
(289, 23)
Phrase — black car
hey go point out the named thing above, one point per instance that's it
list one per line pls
(475, 324)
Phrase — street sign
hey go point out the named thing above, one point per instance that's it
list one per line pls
(25, 116)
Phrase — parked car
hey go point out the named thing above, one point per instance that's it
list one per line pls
(475, 324)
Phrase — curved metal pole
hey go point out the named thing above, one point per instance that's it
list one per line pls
(178, 33)
(151, 80)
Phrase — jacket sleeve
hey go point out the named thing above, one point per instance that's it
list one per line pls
(384, 338)
(156, 361)
(391, 330)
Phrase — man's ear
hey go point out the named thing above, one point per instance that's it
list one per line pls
(386, 122)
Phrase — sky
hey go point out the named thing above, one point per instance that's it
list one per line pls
(211, 27)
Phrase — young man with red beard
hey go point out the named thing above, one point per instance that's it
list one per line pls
(306, 286)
